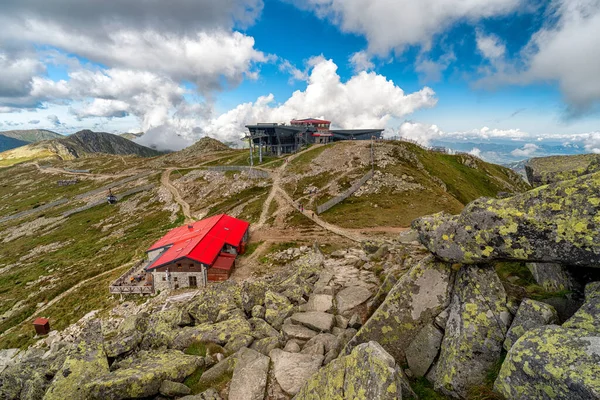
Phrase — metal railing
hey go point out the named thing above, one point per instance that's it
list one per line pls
(349, 192)
(122, 286)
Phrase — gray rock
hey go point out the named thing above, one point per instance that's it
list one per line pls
(292, 346)
(264, 346)
(316, 349)
(551, 224)
(552, 277)
(249, 379)
(210, 394)
(319, 321)
(423, 350)
(420, 295)
(142, 375)
(328, 341)
(531, 314)
(258, 312)
(127, 337)
(475, 331)
(320, 302)
(173, 389)
(277, 309)
(352, 297)
(369, 372)
(355, 321)
(238, 342)
(442, 319)
(341, 322)
(261, 329)
(220, 333)
(292, 370)
(298, 332)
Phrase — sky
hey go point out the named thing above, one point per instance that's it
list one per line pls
(502, 79)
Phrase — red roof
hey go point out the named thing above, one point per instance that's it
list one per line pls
(40, 321)
(201, 241)
(310, 121)
(224, 261)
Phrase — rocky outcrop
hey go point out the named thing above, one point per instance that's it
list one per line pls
(128, 337)
(557, 362)
(277, 309)
(292, 370)
(142, 375)
(418, 297)
(546, 170)
(475, 331)
(424, 349)
(85, 363)
(250, 374)
(551, 224)
(318, 321)
(368, 372)
(173, 389)
(531, 314)
(351, 297)
(220, 333)
(552, 277)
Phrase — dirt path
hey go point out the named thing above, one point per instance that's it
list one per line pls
(63, 295)
(185, 207)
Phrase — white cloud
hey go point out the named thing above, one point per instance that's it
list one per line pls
(295, 73)
(361, 61)
(490, 46)
(366, 100)
(396, 24)
(419, 132)
(430, 70)
(564, 51)
(34, 121)
(526, 151)
(53, 120)
(164, 137)
(475, 152)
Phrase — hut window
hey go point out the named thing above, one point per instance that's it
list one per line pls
(178, 265)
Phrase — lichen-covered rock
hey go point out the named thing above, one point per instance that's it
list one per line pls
(298, 284)
(558, 223)
(546, 170)
(143, 375)
(173, 389)
(238, 342)
(369, 372)
(475, 330)
(253, 295)
(264, 346)
(220, 333)
(351, 297)
(292, 331)
(277, 309)
(423, 350)
(552, 277)
(292, 370)
(85, 363)
(261, 329)
(162, 328)
(214, 300)
(210, 394)
(328, 341)
(531, 314)
(128, 337)
(421, 294)
(249, 379)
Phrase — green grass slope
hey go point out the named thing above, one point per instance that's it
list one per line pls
(410, 182)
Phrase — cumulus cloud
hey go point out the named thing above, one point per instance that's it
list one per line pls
(526, 151)
(164, 137)
(490, 46)
(34, 121)
(366, 100)
(475, 152)
(361, 61)
(17, 74)
(564, 50)
(396, 24)
(419, 132)
(431, 70)
(295, 73)
(53, 120)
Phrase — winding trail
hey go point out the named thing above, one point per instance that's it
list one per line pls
(185, 207)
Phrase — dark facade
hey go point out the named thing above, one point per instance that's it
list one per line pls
(277, 139)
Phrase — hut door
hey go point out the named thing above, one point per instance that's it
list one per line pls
(193, 281)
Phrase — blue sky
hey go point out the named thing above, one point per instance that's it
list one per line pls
(515, 73)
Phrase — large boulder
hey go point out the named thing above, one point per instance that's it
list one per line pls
(173, 389)
(249, 379)
(85, 363)
(475, 331)
(161, 328)
(531, 314)
(142, 375)
(558, 223)
(418, 297)
(220, 333)
(292, 370)
(546, 170)
(423, 350)
(369, 372)
(127, 337)
(215, 300)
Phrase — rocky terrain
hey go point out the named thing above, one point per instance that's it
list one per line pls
(498, 300)
(80, 144)
(545, 170)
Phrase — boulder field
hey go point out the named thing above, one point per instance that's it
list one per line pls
(360, 323)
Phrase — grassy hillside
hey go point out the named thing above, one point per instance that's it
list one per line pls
(7, 143)
(32, 135)
(409, 182)
(80, 144)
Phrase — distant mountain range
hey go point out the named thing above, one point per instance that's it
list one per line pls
(78, 145)
(17, 138)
